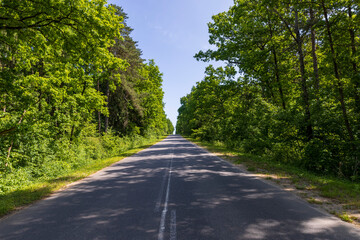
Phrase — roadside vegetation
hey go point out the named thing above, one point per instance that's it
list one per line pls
(288, 100)
(290, 89)
(74, 93)
(21, 188)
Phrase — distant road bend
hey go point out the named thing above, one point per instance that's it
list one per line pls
(173, 190)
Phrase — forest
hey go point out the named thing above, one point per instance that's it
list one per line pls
(73, 88)
(290, 90)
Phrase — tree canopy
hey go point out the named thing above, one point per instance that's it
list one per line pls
(67, 66)
(291, 88)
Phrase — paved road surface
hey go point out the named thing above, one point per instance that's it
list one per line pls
(173, 190)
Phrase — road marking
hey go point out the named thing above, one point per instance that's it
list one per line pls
(158, 201)
(163, 214)
(173, 225)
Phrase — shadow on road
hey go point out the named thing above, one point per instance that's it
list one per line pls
(212, 199)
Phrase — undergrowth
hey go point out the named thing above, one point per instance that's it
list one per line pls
(23, 185)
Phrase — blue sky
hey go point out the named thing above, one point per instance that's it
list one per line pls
(171, 32)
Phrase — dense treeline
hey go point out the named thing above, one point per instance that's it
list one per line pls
(291, 88)
(73, 86)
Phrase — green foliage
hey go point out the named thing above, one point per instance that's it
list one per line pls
(73, 89)
(63, 157)
(136, 103)
(21, 186)
(296, 95)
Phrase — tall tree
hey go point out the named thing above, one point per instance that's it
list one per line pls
(51, 58)
(299, 82)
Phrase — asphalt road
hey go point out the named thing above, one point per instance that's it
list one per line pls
(173, 190)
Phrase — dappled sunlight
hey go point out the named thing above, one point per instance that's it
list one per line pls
(323, 227)
(319, 225)
(266, 195)
(259, 229)
(206, 192)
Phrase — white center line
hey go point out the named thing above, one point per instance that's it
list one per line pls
(163, 214)
(173, 225)
(158, 202)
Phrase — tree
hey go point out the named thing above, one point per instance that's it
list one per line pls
(298, 93)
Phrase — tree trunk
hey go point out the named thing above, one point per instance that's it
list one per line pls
(12, 142)
(107, 105)
(337, 76)
(277, 73)
(98, 112)
(72, 133)
(73, 126)
(277, 77)
(313, 53)
(99, 121)
(305, 94)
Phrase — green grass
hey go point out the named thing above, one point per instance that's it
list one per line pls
(24, 195)
(345, 217)
(339, 190)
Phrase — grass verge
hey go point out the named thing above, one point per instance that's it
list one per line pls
(337, 196)
(24, 195)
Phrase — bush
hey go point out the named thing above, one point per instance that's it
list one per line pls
(285, 153)
(49, 160)
(319, 157)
